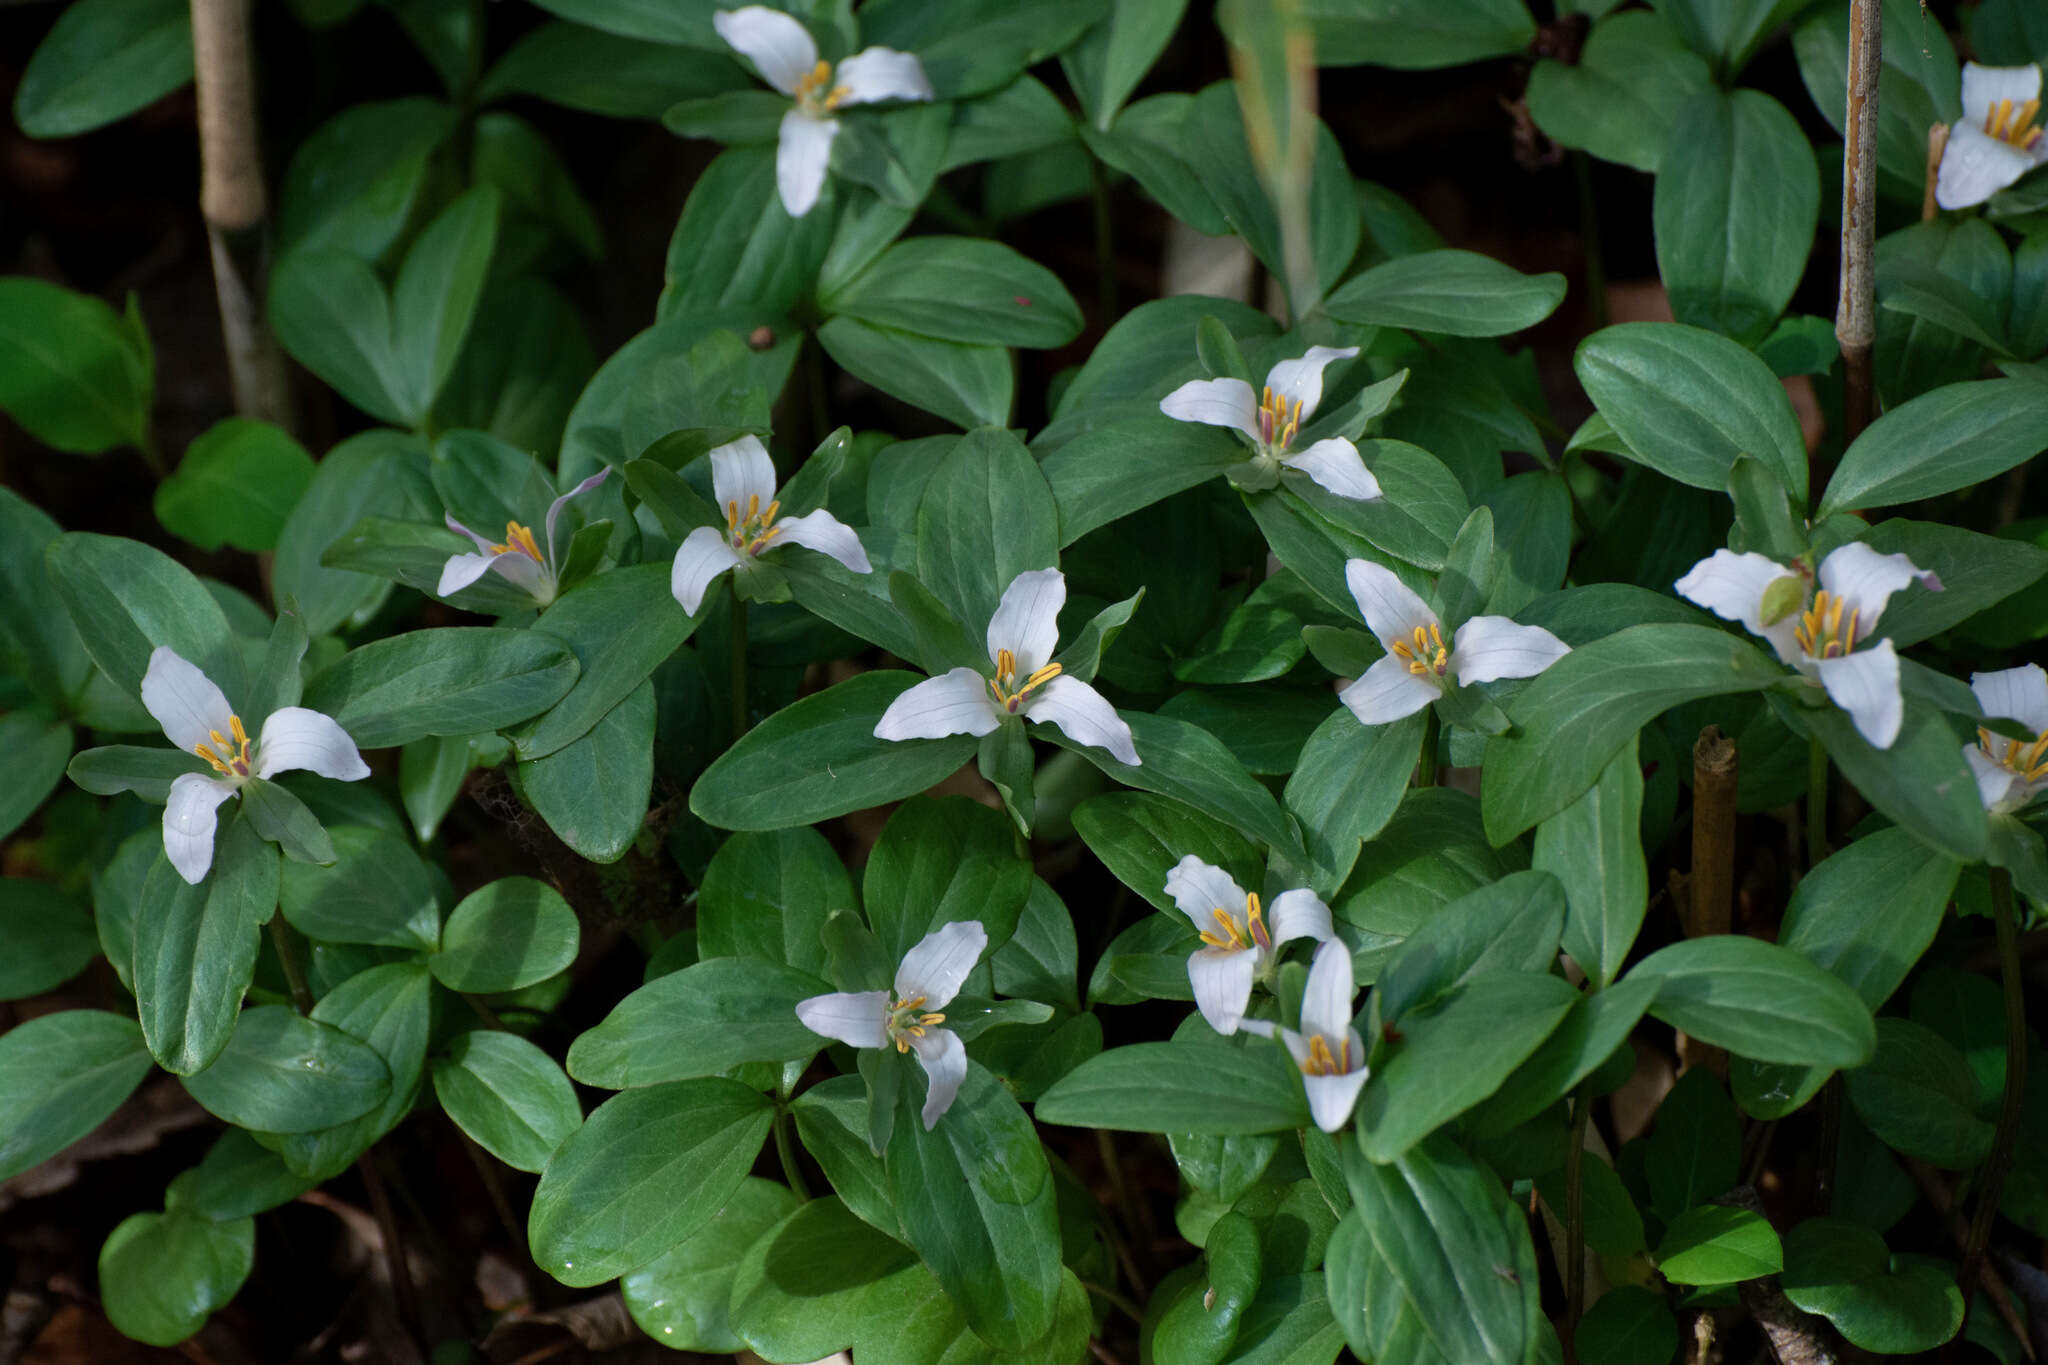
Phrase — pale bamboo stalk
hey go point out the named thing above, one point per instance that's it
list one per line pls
(1855, 315)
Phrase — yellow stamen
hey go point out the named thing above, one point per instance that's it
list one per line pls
(931, 1019)
(1278, 420)
(1011, 697)
(1424, 650)
(2014, 124)
(1827, 629)
(228, 759)
(2028, 760)
(1322, 1061)
(750, 532)
(1238, 934)
(1227, 934)
(518, 541)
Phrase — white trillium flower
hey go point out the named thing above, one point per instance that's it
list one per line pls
(1997, 139)
(908, 1016)
(1021, 637)
(2011, 772)
(196, 716)
(1238, 943)
(1328, 1049)
(1293, 389)
(1422, 654)
(783, 51)
(518, 558)
(743, 481)
(1824, 639)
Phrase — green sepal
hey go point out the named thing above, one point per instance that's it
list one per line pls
(1005, 760)
(284, 820)
(882, 1071)
(1219, 353)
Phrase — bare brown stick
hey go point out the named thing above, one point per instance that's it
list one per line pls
(394, 1248)
(232, 198)
(1795, 1337)
(1937, 143)
(1855, 315)
(1711, 886)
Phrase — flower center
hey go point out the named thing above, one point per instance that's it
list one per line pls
(1236, 934)
(518, 541)
(1009, 695)
(1323, 1062)
(2029, 761)
(1279, 419)
(1424, 650)
(229, 759)
(1827, 629)
(750, 532)
(2014, 124)
(815, 93)
(907, 1020)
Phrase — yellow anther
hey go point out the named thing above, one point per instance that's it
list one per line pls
(749, 532)
(518, 541)
(1278, 420)
(931, 1019)
(1227, 934)
(2029, 760)
(1008, 696)
(228, 759)
(1322, 1061)
(1006, 666)
(2013, 124)
(1424, 650)
(1827, 629)
(241, 735)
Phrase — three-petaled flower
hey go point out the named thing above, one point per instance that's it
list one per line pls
(2011, 772)
(1825, 637)
(908, 1016)
(518, 558)
(783, 51)
(1293, 389)
(1328, 1049)
(1423, 653)
(1238, 945)
(1997, 140)
(196, 716)
(1021, 637)
(743, 481)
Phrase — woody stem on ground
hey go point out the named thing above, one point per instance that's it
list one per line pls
(236, 208)
(1991, 1182)
(1855, 323)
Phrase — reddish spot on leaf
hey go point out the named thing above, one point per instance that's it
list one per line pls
(1022, 302)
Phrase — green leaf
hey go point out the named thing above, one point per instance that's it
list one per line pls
(974, 47)
(1202, 1324)
(163, 1274)
(236, 1179)
(986, 516)
(378, 891)
(508, 1095)
(235, 486)
(353, 184)
(735, 246)
(1977, 572)
(1459, 293)
(452, 681)
(1694, 1153)
(960, 289)
(1589, 1035)
(1957, 436)
(36, 635)
(1759, 1000)
(1687, 402)
(40, 749)
(329, 309)
(1139, 837)
(1110, 471)
(1110, 61)
(1918, 1097)
(436, 295)
(594, 792)
(127, 598)
(976, 1200)
(283, 819)
(388, 1008)
(1713, 1244)
(505, 936)
(1921, 782)
(938, 861)
(680, 1298)
(1595, 847)
(1432, 852)
(1573, 719)
(819, 758)
(1511, 925)
(525, 361)
(768, 896)
(101, 61)
(700, 1021)
(1346, 786)
(1734, 231)
(1621, 99)
(645, 1170)
(819, 1279)
(1628, 1324)
(60, 1075)
(148, 772)
(969, 386)
(1843, 1272)
(1414, 36)
(1182, 1087)
(379, 473)
(195, 948)
(283, 1073)
(50, 938)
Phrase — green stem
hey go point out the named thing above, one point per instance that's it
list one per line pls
(1105, 245)
(484, 1011)
(786, 1150)
(146, 446)
(738, 665)
(814, 385)
(288, 958)
(1425, 771)
(1816, 803)
(1575, 1220)
(1117, 1301)
(1999, 1164)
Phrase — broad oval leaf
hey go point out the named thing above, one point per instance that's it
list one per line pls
(1459, 293)
(453, 681)
(101, 61)
(1954, 437)
(508, 1095)
(701, 1021)
(506, 936)
(284, 1073)
(1179, 1088)
(1760, 1000)
(60, 1075)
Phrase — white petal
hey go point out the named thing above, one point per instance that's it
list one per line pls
(1201, 889)
(2019, 694)
(1027, 620)
(803, 153)
(298, 739)
(481, 544)
(945, 1068)
(1995, 781)
(1326, 1000)
(780, 48)
(184, 701)
(702, 557)
(1215, 402)
(1984, 86)
(1388, 691)
(955, 703)
(1732, 586)
(1975, 166)
(940, 961)
(828, 535)
(742, 476)
(462, 570)
(1390, 607)
(1335, 464)
(1332, 1098)
(1085, 715)
(1301, 914)
(189, 822)
(1866, 580)
(1303, 378)
(1866, 685)
(856, 1017)
(1222, 978)
(1489, 647)
(1263, 1028)
(880, 73)
(555, 507)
